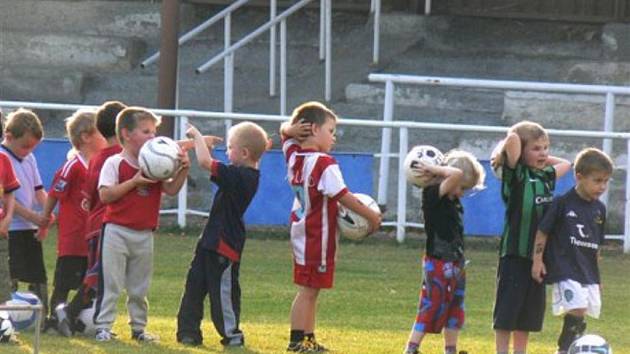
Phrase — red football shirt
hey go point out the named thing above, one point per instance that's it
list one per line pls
(8, 181)
(73, 208)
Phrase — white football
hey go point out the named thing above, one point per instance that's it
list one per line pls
(158, 158)
(352, 225)
(426, 154)
(23, 319)
(6, 328)
(85, 322)
(590, 344)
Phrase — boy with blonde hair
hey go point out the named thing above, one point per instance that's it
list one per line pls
(316, 180)
(214, 270)
(566, 249)
(23, 131)
(66, 189)
(441, 305)
(529, 176)
(127, 239)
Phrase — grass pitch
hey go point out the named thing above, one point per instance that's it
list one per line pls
(370, 309)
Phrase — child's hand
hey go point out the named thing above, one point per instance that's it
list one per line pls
(184, 160)
(42, 233)
(44, 220)
(299, 131)
(426, 173)
(539, 271)
(192, 132)
(139, 180)
(375, 222)
(4, 227)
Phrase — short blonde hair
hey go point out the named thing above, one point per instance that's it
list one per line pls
(592, 160)
(474, 173)
(129, 118)
(80, 122)
(312, 112)
(22, 122)
(528, 131)
(250, 136)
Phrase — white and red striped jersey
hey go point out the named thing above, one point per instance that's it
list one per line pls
(316, 180)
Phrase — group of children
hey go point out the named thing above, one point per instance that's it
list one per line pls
(105, 242)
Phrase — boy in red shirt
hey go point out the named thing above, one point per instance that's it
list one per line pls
(66, 190)
(131, 215)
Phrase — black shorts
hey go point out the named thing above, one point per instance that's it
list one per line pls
(520, 300)
(69, 272)
(26, 258)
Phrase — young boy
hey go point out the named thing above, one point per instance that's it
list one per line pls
(568, 241)
(443, 287)
(318, 184)
(528, 181)
(106, 125)
(131, 215)
(23, 132)
(66, 189)
(8, 185)
(214, 270)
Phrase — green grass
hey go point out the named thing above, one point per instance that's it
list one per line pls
(370, 309)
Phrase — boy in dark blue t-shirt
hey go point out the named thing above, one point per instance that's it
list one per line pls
(214, 270)
(566, 249)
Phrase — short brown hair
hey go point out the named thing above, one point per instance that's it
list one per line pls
(250, 136)
(22, 122)
(474, 173)
(592, 160)
(129, 118)
(528, 131)
(312, 112)
(106, 117)
(80, 122)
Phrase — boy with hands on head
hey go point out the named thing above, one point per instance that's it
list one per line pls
(316, 180)
(566, 249)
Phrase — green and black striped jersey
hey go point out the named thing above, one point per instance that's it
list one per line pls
(527, 193)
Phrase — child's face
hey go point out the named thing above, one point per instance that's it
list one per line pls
(535, 153)
(23, 145)
(593, 185)
(135, 138)
(324, 135)
(236, 153)
(94, 140)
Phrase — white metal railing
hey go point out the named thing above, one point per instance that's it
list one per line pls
(39, 311)
(227, 55)
(394, 79)
(403, 126)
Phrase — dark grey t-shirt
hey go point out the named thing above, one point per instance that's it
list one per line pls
(576, 230)
(443, 225)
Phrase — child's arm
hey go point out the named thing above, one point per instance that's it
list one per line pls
(562, 166)
(210, 141)
(538, 267)
(110, 194)
(451, 176)
(351, 202)
(173, 186)
(298, 131)
(202, 151)
(49, 206)
(8, 203)
(31, 215)
(511, 146)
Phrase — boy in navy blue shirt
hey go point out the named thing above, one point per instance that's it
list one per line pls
(214, 269)
(566, 249)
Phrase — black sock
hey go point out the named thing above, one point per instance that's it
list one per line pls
(572, 327)
(296, 336)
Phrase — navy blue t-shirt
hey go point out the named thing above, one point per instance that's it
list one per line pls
(225, 230)
(575, 229)
(443, 225)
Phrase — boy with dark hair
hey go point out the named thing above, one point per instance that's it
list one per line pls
(66, 189)
(214, 270)
(566, 250)
(127, 238)
(106, 125)
(22, 133)
(529, 176)
(316, 180)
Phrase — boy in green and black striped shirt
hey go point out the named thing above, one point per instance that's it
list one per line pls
(528, 175)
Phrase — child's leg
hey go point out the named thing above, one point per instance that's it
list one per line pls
(450, 340)
(112, 276)
(225, 298)
(138, 277)
(190, 311)
(303, 309)
(502, 341)
(572, 327)
(520, 341)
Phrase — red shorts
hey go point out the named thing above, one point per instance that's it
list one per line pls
(442, 296)
(313, 276)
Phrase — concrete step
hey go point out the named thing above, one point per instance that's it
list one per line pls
(75, 51)
(139, 19)
(345, 5)
(41, 84)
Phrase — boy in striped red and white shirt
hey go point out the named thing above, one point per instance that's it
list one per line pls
(66, 190)
(316, 180)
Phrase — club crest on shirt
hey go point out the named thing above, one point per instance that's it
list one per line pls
(60, 186)
(85, 204)
(598, 219)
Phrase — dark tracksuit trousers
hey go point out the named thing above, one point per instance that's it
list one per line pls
(217, 276)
